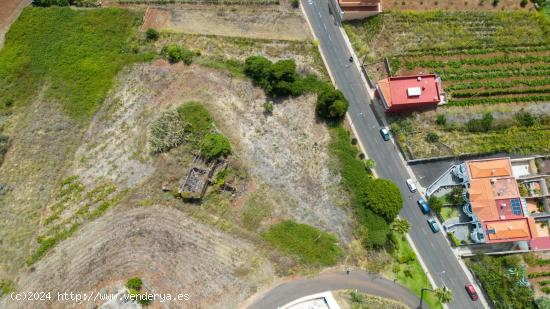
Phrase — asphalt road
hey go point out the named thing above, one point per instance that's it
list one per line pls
(433, 248)
(357, 279)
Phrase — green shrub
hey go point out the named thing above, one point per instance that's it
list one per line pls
(268, 107)
(331, 104)
(6, 287)
(523, 3)
(384, 198)
(134, 283)
(525, 119)
(307, 244)
(432, 137)
(441, 119)
(277, 79)
(480, 125)
(214, 146)
(455, 241)
(152, 34)
(378, 229)
(175, 53)
(295, 3)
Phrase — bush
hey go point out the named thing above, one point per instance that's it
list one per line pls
(175, 53)
(215, 145)
(456, 197)
(166, 132)
(480, 125)
(523, 3)
(306, 243)
(441, 120)
(6, 287)
(151, 34)
(331, 104)
(525, 119)
(268, 107)
(455, 241)
(295, 3)
(384, 198)
(432, 137)
(277, 79)
(134, 283)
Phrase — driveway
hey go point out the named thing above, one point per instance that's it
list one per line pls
(332, 281)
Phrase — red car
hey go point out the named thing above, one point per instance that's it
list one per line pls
(472, 292)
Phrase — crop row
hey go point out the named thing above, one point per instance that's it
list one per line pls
(458, 76)
(531, 98)
(479, 50)
(499, 84)
(476, 61)
(538, 274)
(468, 94)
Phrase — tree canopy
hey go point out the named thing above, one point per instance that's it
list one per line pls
(331, 104)
(214, 146)
(277, 79)
(384, 198)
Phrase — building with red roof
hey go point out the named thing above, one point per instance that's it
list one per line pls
(402, 93)
(359, 9)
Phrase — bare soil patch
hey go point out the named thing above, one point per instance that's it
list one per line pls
(169, 251)
(270, 22)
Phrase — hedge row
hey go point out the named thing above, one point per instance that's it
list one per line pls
(532, 98)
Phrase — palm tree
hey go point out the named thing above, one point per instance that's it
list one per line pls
(400, 226)
(444, 295)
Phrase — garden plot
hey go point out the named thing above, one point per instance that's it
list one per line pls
(482, 62)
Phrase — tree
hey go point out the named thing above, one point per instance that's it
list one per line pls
(456, 197)
(277, 79)
(152, 34)
(444, 295)
(215, 145)
(331, 104)
(46, 3)
(257, 68)
(384, 198)
(435, 203)
(175, 53)
(400, 226)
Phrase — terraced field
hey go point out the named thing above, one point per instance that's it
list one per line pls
(484, 59)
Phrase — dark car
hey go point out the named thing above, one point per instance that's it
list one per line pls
(472, 292)
(385, 134)
(433, 225)
(424, 206)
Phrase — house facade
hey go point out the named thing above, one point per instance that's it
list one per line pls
(359, 9)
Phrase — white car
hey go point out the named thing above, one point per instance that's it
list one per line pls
(411, 185)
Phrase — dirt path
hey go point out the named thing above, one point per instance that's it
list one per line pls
(9, 11)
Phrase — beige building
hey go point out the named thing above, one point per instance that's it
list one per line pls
(358, 9)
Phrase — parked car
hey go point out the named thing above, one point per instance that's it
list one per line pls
(472, 292)
(424, 206)
(411, 185)
(385, 134)
(433, 225)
